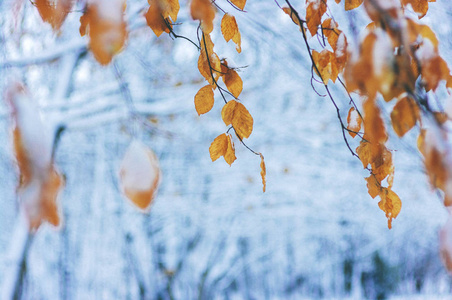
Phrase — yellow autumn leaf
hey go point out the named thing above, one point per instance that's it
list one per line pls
(353, 122)
(204, 100)
(204, 11)
(291, 14)
(155, 20)
(373, 186)
(239, 3)
(54, 12)
(235, 113)
(222, 146)
(404, 116)
(314, 12)
(139, 175)
(390, 203)
(106, 29)
(325, 62)
(352, 4)
(232, 80)
(263, 173)
(230, 30)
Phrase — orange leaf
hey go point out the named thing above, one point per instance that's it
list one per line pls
(390, 203)
(230, 30)
(139, 175)
(204, 100)
(232, 80)
(222, 146)
(54, 12)
(314, 13)
(234, 113)
(404, 116)
(288, 11)
(352, 4)
(354, 122)
(419, 6)
(203, 11)
(155, 20)
(326, 64)
(373, 186)
(445, 244)
(330, 31)
(263, 172)
(373, 123)
(106, 28)
(40, 182)
(239, 3)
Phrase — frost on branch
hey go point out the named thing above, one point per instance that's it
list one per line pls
(139, 174)
(40, 181)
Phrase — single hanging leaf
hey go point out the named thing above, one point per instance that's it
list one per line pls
(230, 30)
(229, 27)
(40, 182)
(404, 115)
(331, 32)
(155, 19)
(104, 22)
(161, 14)
(222, 146)
(292, 15)
(373, 186)
(352, 4)
(263, 173)
(203, 11)
(354, 122)
(204, 100)
(326, 64)
(420, 7)
(54, 12)
(139, 175)
(239, 3)
(231, 79)
(235, 113)
(390, 203)
(445, 244)
(314, 13)
(373, 123)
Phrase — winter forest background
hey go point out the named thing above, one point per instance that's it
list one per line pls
(211, 233)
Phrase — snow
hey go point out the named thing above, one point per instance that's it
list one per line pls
(211, 233)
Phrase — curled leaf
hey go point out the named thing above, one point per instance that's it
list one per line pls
(263, 173)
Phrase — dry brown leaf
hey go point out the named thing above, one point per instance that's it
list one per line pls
(232, 80)
(445, 244)
(139, 175)
(106, 28)
(204, 11)
(331, 32)
(235, 113)
(263, 173)
(314, 13)
(222, 146)
(230, 30)
(239, 3)
(288, 11)
(326, 64)
(54, 12)
(390, 203)
(155, 20)
(420, 7)
(373, 186)
(352, 4)
(40, 182)
(204, 100)
(404, 115)
(374, 128)
(354, 122)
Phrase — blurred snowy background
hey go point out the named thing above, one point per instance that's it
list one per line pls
(211, 232)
